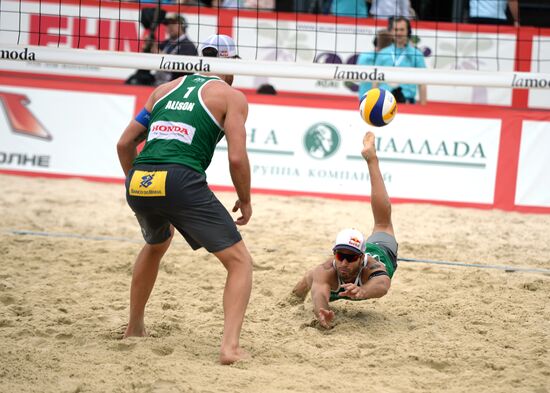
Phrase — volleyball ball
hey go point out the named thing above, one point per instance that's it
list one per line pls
(378, 107)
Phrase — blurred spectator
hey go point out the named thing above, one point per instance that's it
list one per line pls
(402, 54)
(441, 11)
(493, 12)
(189, 2)
(265, 5)
(312, 6)
(266, 88)
(390, 8)
(177, 44)
(355, 8)
(383, 39)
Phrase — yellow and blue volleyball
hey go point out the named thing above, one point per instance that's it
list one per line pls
(378, 107)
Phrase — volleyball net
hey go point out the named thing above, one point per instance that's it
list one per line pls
(108, 38)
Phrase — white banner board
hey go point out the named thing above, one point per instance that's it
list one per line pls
(533, 184)
(291, 148)
(318, 150)
(62, 132)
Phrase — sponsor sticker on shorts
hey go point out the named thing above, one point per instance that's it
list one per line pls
(148, 184)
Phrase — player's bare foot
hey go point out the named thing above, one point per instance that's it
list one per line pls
(369, 150)
(231, 356)
(135, 332)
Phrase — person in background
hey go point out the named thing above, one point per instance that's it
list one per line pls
(266, 88)
(181, 124)
(493, 12)
(382, 40)
(177, 44)
(360, 268)
(190, 2)
(402, 54)
(261, 5)
(353, 8)
(385, 9)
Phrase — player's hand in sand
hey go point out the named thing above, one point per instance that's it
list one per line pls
(325, 318)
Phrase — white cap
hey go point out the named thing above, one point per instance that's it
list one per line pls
(222, 43)
(350, 239)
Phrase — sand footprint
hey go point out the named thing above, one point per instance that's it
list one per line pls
(124, 346)
(6, 299)
(163, 386)
(64, 336)
(162, 350)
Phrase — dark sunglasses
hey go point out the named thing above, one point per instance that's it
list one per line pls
(348, 257)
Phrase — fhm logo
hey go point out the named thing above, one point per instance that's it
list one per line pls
(322, 140)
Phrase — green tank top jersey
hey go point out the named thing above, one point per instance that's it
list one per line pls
(182, 130)
(379, 253)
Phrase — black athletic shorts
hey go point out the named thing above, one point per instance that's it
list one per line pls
(161, 195)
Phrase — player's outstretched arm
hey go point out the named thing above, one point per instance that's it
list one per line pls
(320, 294)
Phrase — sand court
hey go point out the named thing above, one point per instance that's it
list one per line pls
(64, 293)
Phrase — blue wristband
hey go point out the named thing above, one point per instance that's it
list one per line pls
(143, 117)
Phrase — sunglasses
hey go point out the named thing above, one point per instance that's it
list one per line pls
(348, 257)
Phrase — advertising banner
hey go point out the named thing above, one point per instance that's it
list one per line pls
(62, 132)
(440, 158)
(458, 156)
(319, 150)
(533, 185)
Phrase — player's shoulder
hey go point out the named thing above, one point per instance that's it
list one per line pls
(235, 97)
(324, 269)
(161, 90)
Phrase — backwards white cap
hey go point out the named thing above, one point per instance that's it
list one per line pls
(222, 43)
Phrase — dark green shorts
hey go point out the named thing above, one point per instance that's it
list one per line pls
(161, 195)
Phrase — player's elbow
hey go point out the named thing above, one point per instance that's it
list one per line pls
(379, 288)
(237, 161)
(125, 147)
(122, 146)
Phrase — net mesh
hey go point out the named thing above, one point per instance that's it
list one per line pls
(287, 35)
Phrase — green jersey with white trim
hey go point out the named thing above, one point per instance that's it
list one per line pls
(378, 252)
(182, 130)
